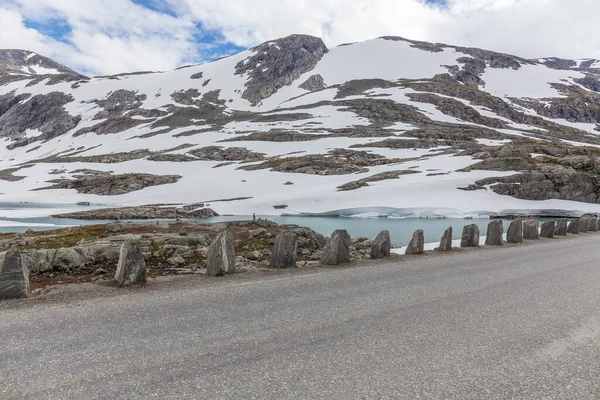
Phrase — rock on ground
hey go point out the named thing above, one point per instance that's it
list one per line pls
(14, 277)
(593, 224)
(417, 243)
(548, 228)
(131, 268)
(583, 224)
(561, 227)
(470, 236)
(284, 250)
(495, 230)
(530, 229)
(574, 226)
(337, 249)
(446, 240)
(381, 246)
(221, 255)
(514, 234)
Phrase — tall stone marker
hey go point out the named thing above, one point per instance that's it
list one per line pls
(548, 228)
(14, 276)
(514, 234)
(470, 236)
(446, 240)
(131, 268)
(284, 250)
(530, 229)
(221, 255)
(417, 243)
(495, 230)
(574, 226)
(337, 249)
(381, 246)
(561, 227)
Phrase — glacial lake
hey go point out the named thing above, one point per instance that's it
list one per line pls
(401, 229)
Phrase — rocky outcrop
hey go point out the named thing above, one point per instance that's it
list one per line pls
(562, 226)
(530, 229)
(221, 255)
(470, 236)
(375, 178)
(380, 248)
(14, 276)
(495, 230)
(548, 228)
(111, 185)
(446, 240)
(284, 251)
(279, 63)
(216, 153)
(514, 234)
(313, 83)
(337, 249)
(197, 210)
(417, 243)
(573, 226)
(131, 269)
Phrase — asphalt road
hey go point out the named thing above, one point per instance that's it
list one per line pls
(502, 323)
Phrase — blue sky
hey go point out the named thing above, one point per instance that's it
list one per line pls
(112, 36)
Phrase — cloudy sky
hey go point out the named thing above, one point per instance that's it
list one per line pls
(113, 36)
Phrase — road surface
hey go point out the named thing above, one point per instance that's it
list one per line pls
(492, 323)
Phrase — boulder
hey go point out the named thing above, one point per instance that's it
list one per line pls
(417, 243)
(593, 224)
(380, 248)
(530, 229)
(284, 250)
(446, 240)
(495, 230)
(561, 227)
(131, 268)
(548, 228)
(514, 234)
(337, 249)
(573, 226)
(221, 255)
(14, 276)
(470, 236)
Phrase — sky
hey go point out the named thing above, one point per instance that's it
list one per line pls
(101, 37)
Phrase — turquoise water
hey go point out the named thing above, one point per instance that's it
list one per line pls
(401, 229)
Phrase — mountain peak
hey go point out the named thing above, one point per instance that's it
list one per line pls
(24, 62)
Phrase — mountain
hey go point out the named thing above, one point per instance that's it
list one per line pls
(387, 126)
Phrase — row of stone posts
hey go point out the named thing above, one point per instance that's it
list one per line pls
(131, 268)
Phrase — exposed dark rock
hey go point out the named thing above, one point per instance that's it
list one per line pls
(112, 125)
(446, 240)
(573, 226)
(14, 276)
(530, 229)
(514, 234)
(44, 112)
(221, 255)
(337, 249)
(131, 269)
(143, 212)
(279, 63)
(548, 228)
(313, 83)
(470, 236)
(284, 250)
(216, 153)
(380, 248)
(277, 135)
(111, 185)
(119, 102)
(375, 178)
(561, 227)
(495, 230)
(197, 75)
(360, 86)
(417, 243)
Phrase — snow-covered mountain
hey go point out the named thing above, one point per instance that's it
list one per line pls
(292, 126)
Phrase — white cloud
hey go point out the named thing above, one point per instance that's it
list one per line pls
(111, 36)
